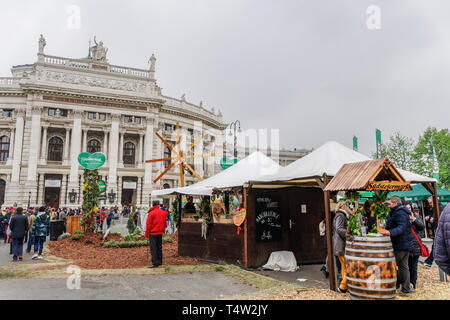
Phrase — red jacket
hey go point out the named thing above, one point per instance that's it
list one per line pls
(156, 221)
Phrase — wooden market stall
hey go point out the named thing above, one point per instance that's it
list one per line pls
(368, 258)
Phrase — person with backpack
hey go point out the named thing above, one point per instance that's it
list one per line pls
(19, 227)
(40, 231)
(417, 228)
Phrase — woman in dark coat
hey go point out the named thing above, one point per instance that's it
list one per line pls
(339, 239)
(418, 226)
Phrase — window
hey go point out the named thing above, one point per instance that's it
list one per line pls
(93, 146)
(128, 119)
(55, 149)
(51, 112)
(137, 120)
(7, 113)
(63, 112)
(4, 148)
(92, 115)
(190, 131)
(129, 151)
(102, 116)
(169, 127)
(167, 154)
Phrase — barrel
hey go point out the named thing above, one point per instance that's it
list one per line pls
(371, 268)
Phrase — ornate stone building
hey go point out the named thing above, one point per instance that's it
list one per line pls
(57, 107)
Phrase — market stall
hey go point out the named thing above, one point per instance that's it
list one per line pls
(369, 256)
(301, 186)
(215, 231)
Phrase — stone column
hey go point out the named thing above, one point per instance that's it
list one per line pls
(141, 147)
(218, 150)
(44, 145)
(105, 144)
(198, 149)
(41, 192)
(13, 191)
(119, 189)
(17, 158)
(85, 140)
(62, 196)
(66, 147)
(148, 151)
(113, 146)
(35, 138)
(122, 133)
(75, 150)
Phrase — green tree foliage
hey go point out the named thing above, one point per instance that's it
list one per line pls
(422, 156)
(399, 149)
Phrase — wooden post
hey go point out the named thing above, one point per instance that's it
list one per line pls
(329, 236)
(435, 203)
(245, 228)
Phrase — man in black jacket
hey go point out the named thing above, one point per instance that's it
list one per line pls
(19, 227)
(398, 226)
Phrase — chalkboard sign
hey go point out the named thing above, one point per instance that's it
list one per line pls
(268, 219)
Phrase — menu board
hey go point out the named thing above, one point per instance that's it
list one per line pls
(268, 218)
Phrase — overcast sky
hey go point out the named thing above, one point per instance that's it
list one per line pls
(312, 69)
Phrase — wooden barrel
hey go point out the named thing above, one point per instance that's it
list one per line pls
(371, 268)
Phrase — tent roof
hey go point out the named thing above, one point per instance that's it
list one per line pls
(327, 159)
(250, 168)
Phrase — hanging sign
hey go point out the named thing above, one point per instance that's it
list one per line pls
(102, 185)
(52, 183)
(91, 161)
(129, 185)
(388, 186)
(239, 218)
(267, 218)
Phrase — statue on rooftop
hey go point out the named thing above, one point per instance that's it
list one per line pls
(42, 44)
(99, 51)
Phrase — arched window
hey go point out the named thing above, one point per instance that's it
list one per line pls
(129, 150)
(167, 154)
(4, 148)
(55, 149)
(93, 146)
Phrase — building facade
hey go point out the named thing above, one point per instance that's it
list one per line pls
(56, 108)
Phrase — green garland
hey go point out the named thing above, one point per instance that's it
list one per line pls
(91, 191)
(378, 207)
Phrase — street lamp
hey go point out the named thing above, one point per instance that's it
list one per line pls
(111, 196)
(72, 196)
(236, 125)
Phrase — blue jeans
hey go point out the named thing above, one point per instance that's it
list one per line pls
(30, 242)
(17, 247)
(39, 244)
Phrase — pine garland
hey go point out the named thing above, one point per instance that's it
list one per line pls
(91, 191)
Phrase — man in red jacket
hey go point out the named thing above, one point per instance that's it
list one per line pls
(156, 224)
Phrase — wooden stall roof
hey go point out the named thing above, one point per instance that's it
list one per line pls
(379, 174)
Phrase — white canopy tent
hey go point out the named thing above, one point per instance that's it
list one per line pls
(326, 160)
(250, 168)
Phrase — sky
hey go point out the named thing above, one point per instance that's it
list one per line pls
(314, 70)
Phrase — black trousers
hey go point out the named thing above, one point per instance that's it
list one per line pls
(412, 265)
(401, 258)
(156, 249)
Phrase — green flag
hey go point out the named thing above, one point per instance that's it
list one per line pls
(434, 161)
(378, 137)
(355, 143)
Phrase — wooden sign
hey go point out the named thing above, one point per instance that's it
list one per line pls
(267, 218)
(388, 186)
(239, 217)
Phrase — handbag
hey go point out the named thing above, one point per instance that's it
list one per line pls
(424, 251)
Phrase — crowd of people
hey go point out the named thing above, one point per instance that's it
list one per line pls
(406, 229)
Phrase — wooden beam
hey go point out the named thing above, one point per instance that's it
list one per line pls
(192, 170)
(435, 203)
(163, 159)
(329, 236)
(320, 183)
(164, 172)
